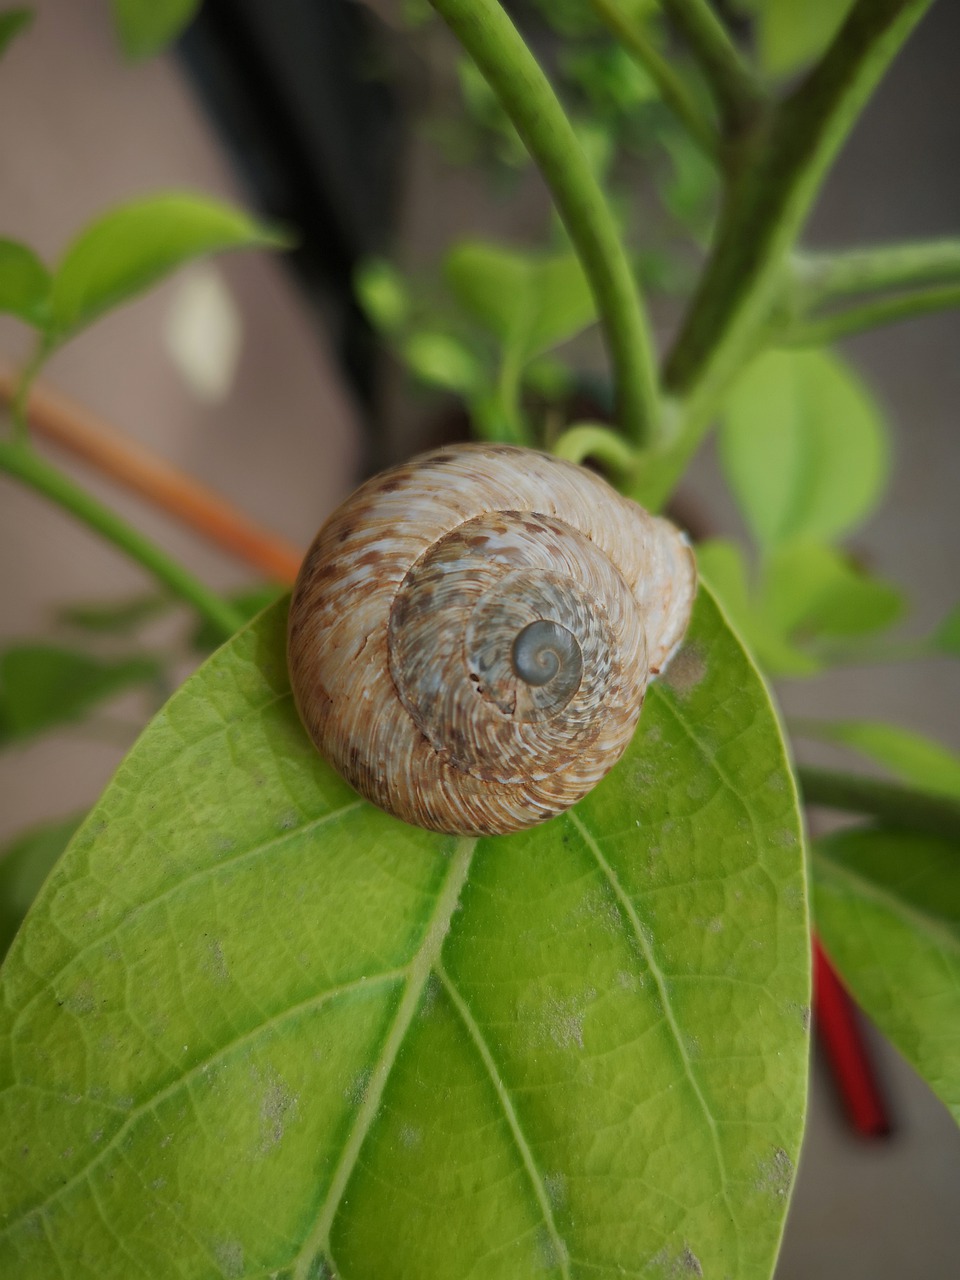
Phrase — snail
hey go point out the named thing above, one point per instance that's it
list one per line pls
(471, 634)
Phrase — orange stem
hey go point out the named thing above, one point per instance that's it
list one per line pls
(87, 437)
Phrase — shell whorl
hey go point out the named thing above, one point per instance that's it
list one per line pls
(471, 634)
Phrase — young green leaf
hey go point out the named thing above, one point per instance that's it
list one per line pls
(811, 590)
(24, 284)
(803, 446)
(146, 27)
(887, 906)
(382, 292)
(24, 865)
(723, 568)
(43, 685)
(12, 23)
(426, 1055)
(130, 248)
(530, 302)
(911, 757)
(443, 361)
(121, 616)
(789, 34)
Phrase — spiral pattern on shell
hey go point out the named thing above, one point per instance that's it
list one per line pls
(471, 634)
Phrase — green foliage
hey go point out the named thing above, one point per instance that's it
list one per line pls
(805, 595)
(117, 617)
(146, 27)
(530, 302)
(382, 292)
(803, 446)
(887, 906)
(24, 865)
(130, 248)
(24, 284)
(12, 23)
(239, 966)
(789, 34)
(911, 757)
(442, 361)
(45, 685)
(947, 636)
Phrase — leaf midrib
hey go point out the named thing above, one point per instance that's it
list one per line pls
(418, 970)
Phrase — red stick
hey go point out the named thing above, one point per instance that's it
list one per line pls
(842, 1039)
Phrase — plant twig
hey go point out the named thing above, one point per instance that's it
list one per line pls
(820, 330)
(821, 278)
(894, 805)
(673, 91)
(780, 174)
(193, 504)
(591, 440)
(19, 460)
(736, 88)
(524, 92)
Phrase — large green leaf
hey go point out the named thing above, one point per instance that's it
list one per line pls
(132, 247)
(24, 283)
(147, 26)
(253, 1026)
(530, 301)
(887, 905)
(803, 446)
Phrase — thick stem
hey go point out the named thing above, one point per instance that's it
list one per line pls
(871, 315)
(20, 461)
(781, 170)
(735, 86)
(893, 805)
(513, 73)
(673, 91)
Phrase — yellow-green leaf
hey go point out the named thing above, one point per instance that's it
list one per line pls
(254, 1026)
(130, 248)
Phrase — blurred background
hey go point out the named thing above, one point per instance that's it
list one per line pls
(262, 376)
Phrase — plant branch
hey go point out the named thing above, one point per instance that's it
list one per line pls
(782, 168)
(822, 278)
(736, 88)
(524, 92)
(165, 486)
(672, 90)
(820, 330)
(17, 459)
(591, 440)
(894, 805)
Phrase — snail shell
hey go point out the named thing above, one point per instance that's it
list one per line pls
(471, 634)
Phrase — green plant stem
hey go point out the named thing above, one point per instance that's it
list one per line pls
(821, 330)
(509, 378)
(733, 313)
(672, 89)
(822, 278)
(894, 805)
(18, 460)
(590, 440)
(525, 94)
(736, 88)
(18, 406)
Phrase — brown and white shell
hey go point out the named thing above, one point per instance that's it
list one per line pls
(472, 633)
